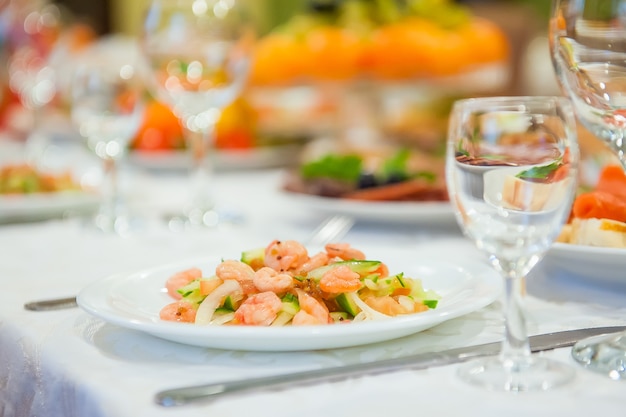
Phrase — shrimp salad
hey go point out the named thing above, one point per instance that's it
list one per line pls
(282, 284)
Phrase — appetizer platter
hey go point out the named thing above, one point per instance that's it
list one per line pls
(592, 245)
(232, 314)
(376, 182)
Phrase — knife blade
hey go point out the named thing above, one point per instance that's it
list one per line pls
(207, 392)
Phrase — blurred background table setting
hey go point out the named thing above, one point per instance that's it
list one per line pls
(141, 139)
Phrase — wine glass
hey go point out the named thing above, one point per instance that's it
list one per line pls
(588, 49)
(34, 28)
(200, 52)
(107, 108)
(511, 167)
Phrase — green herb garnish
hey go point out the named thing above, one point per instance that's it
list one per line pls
(338, 167)
(396, 165)
(541, 172)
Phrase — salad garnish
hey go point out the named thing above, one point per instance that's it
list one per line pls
(282, 284)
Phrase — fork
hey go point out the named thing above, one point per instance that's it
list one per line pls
(333, 227)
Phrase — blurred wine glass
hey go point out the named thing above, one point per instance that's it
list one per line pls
(588, 48)
(107, 108)
(511, 171)
(35, 26)
(200, 52)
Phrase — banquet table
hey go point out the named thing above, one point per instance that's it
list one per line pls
(70, 363)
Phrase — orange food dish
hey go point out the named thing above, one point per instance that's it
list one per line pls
(413, 47)
(607, 200)
(598, 217)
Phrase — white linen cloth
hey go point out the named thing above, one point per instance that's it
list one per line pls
(68, 363)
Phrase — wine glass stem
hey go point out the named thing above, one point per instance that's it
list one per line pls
(36, 142)
(108, 208)
(201, 146)
(515, 347)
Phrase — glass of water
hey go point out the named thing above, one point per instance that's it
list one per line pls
(511, 171)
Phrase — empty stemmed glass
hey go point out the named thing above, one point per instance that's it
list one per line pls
(200, 52)
(511, 172)
(107, 92)
(36, 26)
(588, 47)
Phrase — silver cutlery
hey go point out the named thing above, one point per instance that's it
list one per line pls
(334, 227)
(51, 304)
(191, 394)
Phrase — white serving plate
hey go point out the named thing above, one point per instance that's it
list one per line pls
(426, 212)
(592, 263)
(133, 301)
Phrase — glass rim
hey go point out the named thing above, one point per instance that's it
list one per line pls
(511, 100)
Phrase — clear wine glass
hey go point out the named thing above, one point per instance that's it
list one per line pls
(200, 52)
(588, 48)
(511, 172)
(107, 108)
(35, 26)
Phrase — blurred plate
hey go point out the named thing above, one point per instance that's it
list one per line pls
(134, 300)
(378, 211)
(592, 263)
(255, 158)
(40, 206)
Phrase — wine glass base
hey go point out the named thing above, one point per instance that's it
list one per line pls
(604, 354)
(201, 219)
(534, 374)
(122, 225)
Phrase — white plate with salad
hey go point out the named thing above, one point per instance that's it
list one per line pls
(134, 300)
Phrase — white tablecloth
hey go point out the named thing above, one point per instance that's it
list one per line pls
(68, 363)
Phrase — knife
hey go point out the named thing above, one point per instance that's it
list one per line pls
(548, 341)
(51, 304)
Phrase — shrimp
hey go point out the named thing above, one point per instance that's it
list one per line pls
(240, 272)
(181, 311)
(259, 309)
(343, 251)
(339, 280)
(386, 305)
(236, 270)
(314, 261)
(382, 271)
(179, 280)
(267, 279)
(311, 311)
(285, 255)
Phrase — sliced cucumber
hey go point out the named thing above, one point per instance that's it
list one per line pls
(347, 304)
(189, 288)
(232, 302)
(339, 316)
(253, 257)
(290, 304)
(191, 292)
(363, 268)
